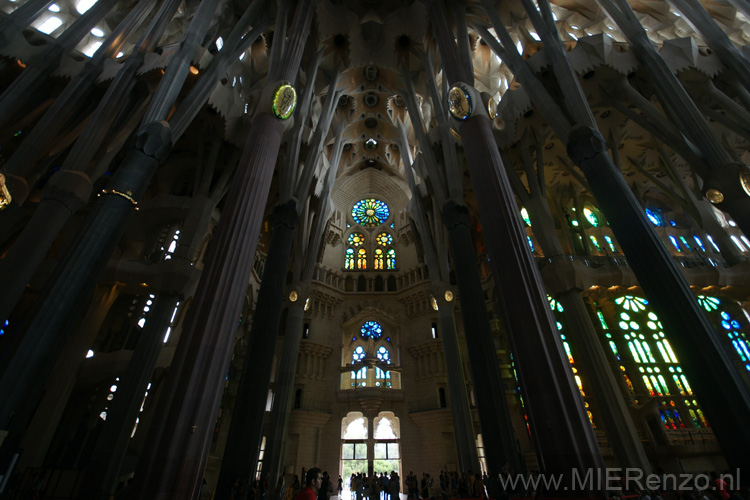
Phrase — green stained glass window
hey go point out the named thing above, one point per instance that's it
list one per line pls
(384, 239)
(356, 239)
(595, 242)
(709, 303)
(370, 212)
(525, 217)
(591, 217)
(349, 259)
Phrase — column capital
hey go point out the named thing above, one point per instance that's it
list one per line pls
(285, 214)
(585, 143)
(155, 140)
(71, 188)
(455, 215)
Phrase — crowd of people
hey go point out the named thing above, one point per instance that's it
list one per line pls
(319, 485)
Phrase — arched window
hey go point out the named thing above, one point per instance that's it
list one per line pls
(358, 354)
(349, 259)
(559, 312)
(591, 217)
(734, 326)
(655, 217)
(383, 355)
(390, 259)
(378, 260)
(361, 259)
(640, 334)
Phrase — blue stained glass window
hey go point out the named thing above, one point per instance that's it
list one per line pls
(654, 217)
(390, 259)
(383, 355)
(699, 242)
(371, 330)
(674, 242)
(531, 243)
(349, 259)
(370, 212)
(358, 354)
(393, 225)
(610, 243)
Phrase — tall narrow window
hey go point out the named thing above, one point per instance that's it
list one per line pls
(361, 259)
(349, 259)
(390, 259)
(378, 261)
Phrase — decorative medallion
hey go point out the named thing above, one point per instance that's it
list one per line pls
(745, 179)
(448, 296)
(459, 103)
(284, 101)
(293, 296)
(715, 196)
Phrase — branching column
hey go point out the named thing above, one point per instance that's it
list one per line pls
(463, 427)
(494, 415)
(246, 428)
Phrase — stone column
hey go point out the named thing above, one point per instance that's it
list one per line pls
(283, 389)
(705, 360)
(28, 370)
(247, 425)
(494, 415)
(621, 432)
(113, 441)
(463, 427)
(66, 192)
(62, 382)
(562, 432)
(173, 465)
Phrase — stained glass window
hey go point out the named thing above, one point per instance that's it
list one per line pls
(383, 355)
(349, 259)
(371, 330)
(356, 239)
(559, 312)
(674, 242)
(370, 212)
(700, 243)
(361, 258)
(595, 242)
(734, 326)
(531, 243)
(525, 217)
(591, 217)
(382, 378)
(654, 217)
(358, 354)
(610, 243)
(378, 261)
(640, 344)
(390, 259)
(384, 239)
